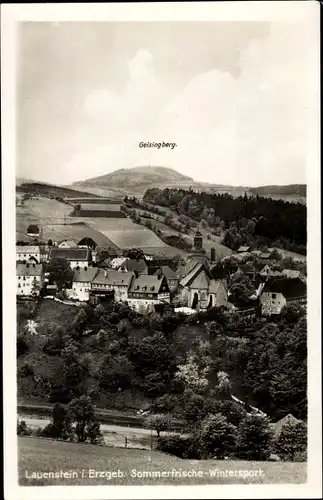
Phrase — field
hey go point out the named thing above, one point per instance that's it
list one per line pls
(40, 455)
(100, 206)
(114, 232)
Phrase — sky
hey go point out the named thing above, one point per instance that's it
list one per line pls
(231, 95)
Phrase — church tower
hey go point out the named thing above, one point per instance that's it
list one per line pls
(197, 253)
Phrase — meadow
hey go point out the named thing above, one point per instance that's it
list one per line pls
(41, 455)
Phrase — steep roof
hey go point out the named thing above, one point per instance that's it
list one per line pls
(117, 262)
(264, 255)
(88, 242)
(194, 270)
(72, 254)
(27, 249)
(146, 283)
(137, 265)
(167, 272)
(84, 275)
(113, 277)
(290, 288)
(28, 269)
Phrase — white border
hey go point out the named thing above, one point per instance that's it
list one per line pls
(296, 12)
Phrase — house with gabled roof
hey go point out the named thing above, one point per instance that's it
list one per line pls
(28, 253)
(170, 275)
(278, 292)
(77, 257)
(67, 244)
(146, 291)
(110, 283)
(138, 266)
(29, 278)
(81, 285)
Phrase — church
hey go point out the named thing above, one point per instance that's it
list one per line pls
(198, 289)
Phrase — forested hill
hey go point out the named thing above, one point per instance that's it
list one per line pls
(245, 219)
(291, 189)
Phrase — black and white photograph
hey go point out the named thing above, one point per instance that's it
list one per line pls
(162, 325)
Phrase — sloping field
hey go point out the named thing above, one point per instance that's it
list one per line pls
(130, 464)
(76, 232)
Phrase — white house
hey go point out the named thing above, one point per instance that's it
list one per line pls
(117, 262)
(25, 253)
(29, 277)
(77, 257)
(82, 279)
(145, 291)
(278, 292)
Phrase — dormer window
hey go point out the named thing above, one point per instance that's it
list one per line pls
(144, 288)
(152, 288)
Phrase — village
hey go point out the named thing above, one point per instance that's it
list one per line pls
(197, 283)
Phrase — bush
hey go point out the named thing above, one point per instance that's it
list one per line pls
(23, 429)
(291, 441)
(216, 437)
(182, 447)
(26, 370)
(255, 438)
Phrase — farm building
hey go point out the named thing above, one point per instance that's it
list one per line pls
(145, 291)
(77, 257)
(33, 230)
(277, 292)
(30, 278)
(25, 253)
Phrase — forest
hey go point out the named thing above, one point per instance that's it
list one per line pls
(252, 220)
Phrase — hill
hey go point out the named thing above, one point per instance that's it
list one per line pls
(138, 179)
(290, 189)
(49, 190)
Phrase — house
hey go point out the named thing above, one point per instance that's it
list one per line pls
(268, 272)
(117, 262)
(243, 249)
(199, 290)
(25, 253)
(33, 230)
(170, 275)
(81, 285)
(111, 284)
(67, 244)
(30, 278)
(77, 257)
(277, 292)
(146, 291)
(138, 266)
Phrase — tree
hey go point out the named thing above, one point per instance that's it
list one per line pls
(291, 441)
(216, 437)
(255, 437)
(82, 417)
(193, 376)
(158, 422)
(59, 272)
(224, 386)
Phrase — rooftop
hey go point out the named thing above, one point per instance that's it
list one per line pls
(136, 265)
(113, 277)
(167, 272)
(27, 249)
(290, 288)
(28, 269)
(85, 275)
(148, 284)
(72, 254)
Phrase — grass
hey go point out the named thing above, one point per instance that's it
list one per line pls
(100, 206)
(41, 455)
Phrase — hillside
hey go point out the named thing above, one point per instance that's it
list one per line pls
(291, 189)
(49, 190)
(138, 179)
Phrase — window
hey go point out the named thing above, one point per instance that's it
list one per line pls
(273, 295)
(19, 285)
(19, 277)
